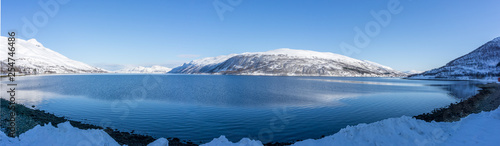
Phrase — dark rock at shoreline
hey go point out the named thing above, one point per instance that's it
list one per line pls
(486, 100)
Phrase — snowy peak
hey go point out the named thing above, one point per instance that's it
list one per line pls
(211, 60)
(482, 63)
(283, 52)
(35, 42)
(141, 69)
(33, 58)
(286, 62)
(379, 65)
(304, 54)
(299, 53)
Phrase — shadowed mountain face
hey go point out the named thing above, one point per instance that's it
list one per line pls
(480, 63)
(287, 62)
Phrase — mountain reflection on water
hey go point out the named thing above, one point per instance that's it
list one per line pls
(461, 90)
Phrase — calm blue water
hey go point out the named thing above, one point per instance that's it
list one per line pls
(203, 107)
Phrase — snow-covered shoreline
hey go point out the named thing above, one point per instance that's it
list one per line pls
(476, 129)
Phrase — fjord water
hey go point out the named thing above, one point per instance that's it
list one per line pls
(203, 107)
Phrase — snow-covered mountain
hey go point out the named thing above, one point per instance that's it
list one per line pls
(286, 62)
(484, 62)
(410, 72)
(31, 56)
(141, 69)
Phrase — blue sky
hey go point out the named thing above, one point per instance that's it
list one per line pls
(425, 34)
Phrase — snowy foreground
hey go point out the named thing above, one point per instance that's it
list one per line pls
(476, 129)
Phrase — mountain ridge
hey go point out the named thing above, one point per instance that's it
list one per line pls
(286, 62)
(481, 63)
(33, 58)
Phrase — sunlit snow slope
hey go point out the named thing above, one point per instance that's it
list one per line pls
(32, 56)
(287, 62)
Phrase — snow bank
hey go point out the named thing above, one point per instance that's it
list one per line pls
(476, 129)
(64, 134)
(159, 142)
(222, 141)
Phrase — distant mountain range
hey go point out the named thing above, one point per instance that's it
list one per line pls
(32, 57)
(286, 62)
(410, 72)
(154, 69)
(484, 62)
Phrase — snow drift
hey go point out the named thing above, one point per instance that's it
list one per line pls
(64, 134)
(476, 129)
